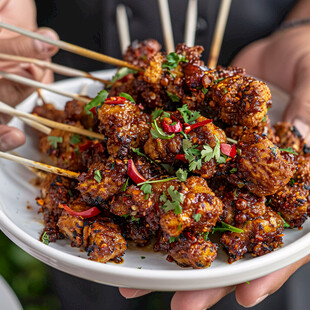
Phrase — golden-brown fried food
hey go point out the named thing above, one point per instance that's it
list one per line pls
(240, 100)
(261, 168)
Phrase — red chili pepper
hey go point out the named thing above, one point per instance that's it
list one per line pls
(229, 150)
(133, 173)
(181, 157)
(189, 128)
(85, 146)
(173, 128)
(94, 111)
(116, 100)
(87, 213)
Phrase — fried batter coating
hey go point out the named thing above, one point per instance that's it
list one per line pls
(260, 236)
(192, 252)
(138, 53)
(201, 209)
(240, 100)
(124, 125)
(103, 180)
(261, 168)
(105, 241)
(289, 136)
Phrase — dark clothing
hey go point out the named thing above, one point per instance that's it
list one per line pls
(91, 24)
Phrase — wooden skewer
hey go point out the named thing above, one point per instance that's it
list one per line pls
(36, 84)
(38, 173)
(219, 33)
(70, 47)
(54, 67)
(38, 165)
(166, 25)
(4, 109)
(191, 23)
(122, 27)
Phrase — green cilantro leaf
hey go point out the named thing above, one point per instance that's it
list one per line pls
(97, 101)
(173, 239)
(289, 150)
(122, 72)
(173, 97)
(207, 153)
(182, 174)
(53, 141)
(127, 96)
(75, 139)
(188, 115)
(173, 60)
(146, 189)
(97, 176)
(197, 217)
(233, 170)
(163, 197)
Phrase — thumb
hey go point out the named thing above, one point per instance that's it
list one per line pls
(28, 47)
(10, 138)
(298, 110)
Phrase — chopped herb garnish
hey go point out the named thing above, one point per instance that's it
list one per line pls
(147, 190)
(173, 60)
(53, 141)
(134, 219)
(137, 151)
(139, 267)
(96, 102)
(292, 182)
(189, 116)
(45, 238)
(175, 202)
(127, 96)
(179, 227)
(227, 227)
(197, 217)
(157, 181)
(247, 282)
(124, 187)
(285, 224)
(143, 257)
(173, 239)
(219, 80)
(75, 139)
(233, 170)
(70, 193)
(173, 97)
(289, 150)
(182, 174)
(204, 90)
(97, 176)
(205, 236)
(122, 72)
(158, 133)
(156, 113)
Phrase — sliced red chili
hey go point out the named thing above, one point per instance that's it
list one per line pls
(229, 150)
(87, 213)
(116, 100)
(181, 157)
(85, 146)
(189, 128)
(173, 128)
(133, 173)
(94, 111)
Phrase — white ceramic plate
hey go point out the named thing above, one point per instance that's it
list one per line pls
(24, 225)
(8, 299)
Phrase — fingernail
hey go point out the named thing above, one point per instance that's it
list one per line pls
(137, 293)
(44, 47)
(260, 299)
(8, 142)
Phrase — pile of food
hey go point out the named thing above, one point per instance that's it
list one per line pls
(189, 153)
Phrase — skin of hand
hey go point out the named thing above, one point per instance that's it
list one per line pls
(14, 12)
(282, 59)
